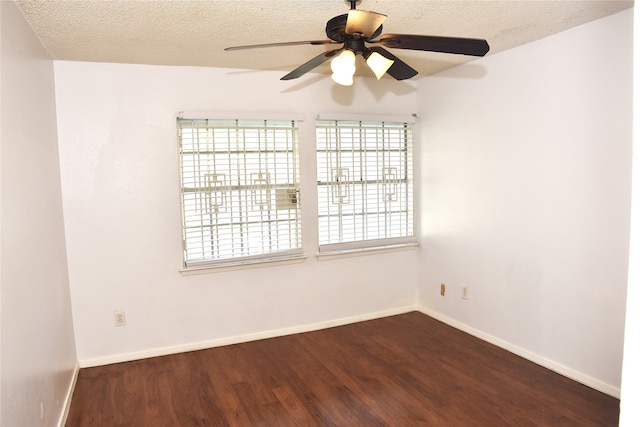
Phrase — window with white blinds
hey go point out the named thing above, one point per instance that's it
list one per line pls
(365, 191)
(240, 192)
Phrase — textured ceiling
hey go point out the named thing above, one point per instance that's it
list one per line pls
(195, 32)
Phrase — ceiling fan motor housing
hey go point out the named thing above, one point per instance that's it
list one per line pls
(336, 30)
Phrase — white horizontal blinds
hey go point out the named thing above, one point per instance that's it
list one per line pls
(365, 192)
(240, 192)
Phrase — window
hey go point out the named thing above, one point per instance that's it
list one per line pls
(365, 192)
(240, 192)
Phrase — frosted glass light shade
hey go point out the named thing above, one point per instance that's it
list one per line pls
(379, 64)
(344, 67)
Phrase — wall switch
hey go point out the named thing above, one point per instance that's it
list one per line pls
(120, 318)
(465, 292)
(442, 289)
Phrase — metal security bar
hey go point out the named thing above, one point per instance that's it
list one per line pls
(240, 191)
(365, 191)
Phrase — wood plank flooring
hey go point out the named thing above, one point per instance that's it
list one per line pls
(405, 370)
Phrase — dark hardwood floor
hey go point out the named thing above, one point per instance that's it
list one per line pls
(405, 370)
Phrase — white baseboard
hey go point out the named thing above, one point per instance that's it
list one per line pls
(67, 400)
(535, 358)
(164, 351)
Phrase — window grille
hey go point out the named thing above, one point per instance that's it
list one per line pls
(240, 191)
(365, 191)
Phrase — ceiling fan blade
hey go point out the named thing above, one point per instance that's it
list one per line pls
(399, 70)
(463, 46)
(253, 46)
(363, 22)
(310, 65)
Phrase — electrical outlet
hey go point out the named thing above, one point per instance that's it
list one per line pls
(465, 292)
(442, 289)
(120, 318)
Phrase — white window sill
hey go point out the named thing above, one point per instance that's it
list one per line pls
(241, 265)
(326, 256)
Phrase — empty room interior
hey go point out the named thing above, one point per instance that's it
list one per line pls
(521, 217)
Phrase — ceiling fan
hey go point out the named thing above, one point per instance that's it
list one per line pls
(358, 28)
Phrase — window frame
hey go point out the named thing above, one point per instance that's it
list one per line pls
(359, 246)
(287, 255)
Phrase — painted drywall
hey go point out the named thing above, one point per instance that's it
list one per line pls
(630, 391)
(38, 349)
(526, 174)
(119, 169)
(523, 177)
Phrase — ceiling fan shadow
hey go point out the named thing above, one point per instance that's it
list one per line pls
(396, 87)
(343, 95)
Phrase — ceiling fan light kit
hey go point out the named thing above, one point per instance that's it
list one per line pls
(378, 64)
(356, 29)
(344, 67)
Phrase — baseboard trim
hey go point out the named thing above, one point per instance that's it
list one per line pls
(164, 351)
(67, 399)
(522, 352)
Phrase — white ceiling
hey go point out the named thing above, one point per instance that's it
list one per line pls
(195, 32)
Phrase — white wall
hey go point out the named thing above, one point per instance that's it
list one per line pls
(629, 409)
(119, 164)
(38, 350)
(524, 168)
(526, 173)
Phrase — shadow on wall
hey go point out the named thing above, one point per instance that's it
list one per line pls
(344, 95)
